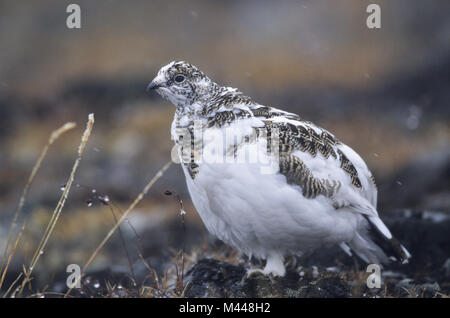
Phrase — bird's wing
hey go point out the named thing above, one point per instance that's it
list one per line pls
(318, 162)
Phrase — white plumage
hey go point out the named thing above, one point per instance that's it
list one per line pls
(307, 191)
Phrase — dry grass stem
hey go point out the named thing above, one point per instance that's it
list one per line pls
(61, 202)
(138, 199)
(16, 242)
(53, 137)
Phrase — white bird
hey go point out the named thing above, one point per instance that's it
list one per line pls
(266, 181)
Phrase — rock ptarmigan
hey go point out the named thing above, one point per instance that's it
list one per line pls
(268, 182)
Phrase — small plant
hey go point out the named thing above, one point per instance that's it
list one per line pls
(180, 271)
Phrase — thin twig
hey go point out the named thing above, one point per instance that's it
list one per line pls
(138, 199)
(180, 277)
(61, 202)
(107, 200)
(130, 263)
(12, 286)
(53, 137)
(13, 250)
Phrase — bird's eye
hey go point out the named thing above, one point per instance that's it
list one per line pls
(179, 78)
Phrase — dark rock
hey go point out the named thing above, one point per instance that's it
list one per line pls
(431, 288)
(405, 284)
(212, 278)
(329, 285)
(425, 235)
(411, 288)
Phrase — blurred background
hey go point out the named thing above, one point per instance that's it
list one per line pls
(385, 92)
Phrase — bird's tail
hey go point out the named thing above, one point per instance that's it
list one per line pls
(375, 243)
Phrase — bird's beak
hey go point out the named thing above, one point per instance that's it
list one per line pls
(153, 86)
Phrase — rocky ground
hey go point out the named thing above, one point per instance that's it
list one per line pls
(220, 272)
(329, 273)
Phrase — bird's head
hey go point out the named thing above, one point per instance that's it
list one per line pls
(182, 84)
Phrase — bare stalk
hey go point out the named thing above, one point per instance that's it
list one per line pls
(60, 205)
(138, 199)
(53, 137)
